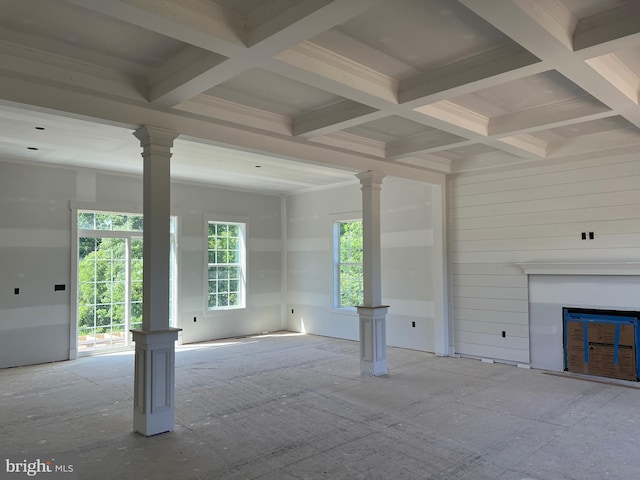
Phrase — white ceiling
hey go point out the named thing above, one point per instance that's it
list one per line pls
(71, 141)
(287, 95)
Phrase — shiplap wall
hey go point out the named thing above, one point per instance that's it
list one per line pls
(532, 214)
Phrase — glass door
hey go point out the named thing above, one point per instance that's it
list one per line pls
(135, 284)
(103, 289)
(110, 267)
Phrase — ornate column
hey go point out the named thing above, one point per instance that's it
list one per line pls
(373, 333)
(153, 410)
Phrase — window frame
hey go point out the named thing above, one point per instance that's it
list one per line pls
(335, 226)
(242, 263)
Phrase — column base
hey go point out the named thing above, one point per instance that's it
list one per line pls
(154, 382)
(373, 340)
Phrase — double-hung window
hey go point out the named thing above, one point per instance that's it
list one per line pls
(226, 279)
(348, 290)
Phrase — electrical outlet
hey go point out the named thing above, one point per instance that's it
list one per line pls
(504, 334)
(584, 235)
(591, 235)
(194, 319)
(413, 324)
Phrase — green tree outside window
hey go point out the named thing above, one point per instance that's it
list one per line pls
(349, 264)
(225, 267)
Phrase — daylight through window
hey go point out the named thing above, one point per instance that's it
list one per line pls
(348, 264)
(110, 284)
(226, 265)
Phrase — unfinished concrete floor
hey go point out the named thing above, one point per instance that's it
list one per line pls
(287, 407)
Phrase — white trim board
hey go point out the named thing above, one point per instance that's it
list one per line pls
(580, 268)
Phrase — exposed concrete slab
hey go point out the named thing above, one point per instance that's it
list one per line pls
(296, 407)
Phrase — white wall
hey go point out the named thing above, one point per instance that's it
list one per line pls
(532, 214)
(35, 254)
(194, 205)
(407, 261)
(35, 248)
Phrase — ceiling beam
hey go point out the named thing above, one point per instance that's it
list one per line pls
(595, 142)
(28, 62)
(518, 24)
(106, 109)
(323, 69)
(516, 20)
(71, 51)
(568, 112)
(428, 142)
(485, 162)
(188, 70)
(235, 113)
(437, 164)
(610, 46)
(213, 28)
(521, 150)
(599, 87)
(196, 79)
(275, 36)
(285, 31)
(618, 74)
(333, 117)
(498, 65)
(350, 88)
(222, 31)
(554, 17)
(455, 114)
(352, 143)
(619, 21)
(533, 145)
(326, 64)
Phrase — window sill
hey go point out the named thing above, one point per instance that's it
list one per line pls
(212, 311)
(348, 311)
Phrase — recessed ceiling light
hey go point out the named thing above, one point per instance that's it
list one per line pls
(39, 128)
(32, 148)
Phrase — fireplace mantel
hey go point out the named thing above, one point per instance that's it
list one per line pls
(580, 268)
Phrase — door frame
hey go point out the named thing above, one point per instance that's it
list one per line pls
(75, 207)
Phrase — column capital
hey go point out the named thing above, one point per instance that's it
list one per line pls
(379, 308)
(157, 337)
(149, 135)
(370, 178)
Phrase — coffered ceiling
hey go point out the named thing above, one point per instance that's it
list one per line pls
(290, 94)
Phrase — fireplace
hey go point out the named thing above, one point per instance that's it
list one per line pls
(552, 287)
(601, 342)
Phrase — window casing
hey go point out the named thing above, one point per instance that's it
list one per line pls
(348, 269)
(226, 265)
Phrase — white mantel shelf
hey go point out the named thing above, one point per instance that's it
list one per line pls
(580, 268)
